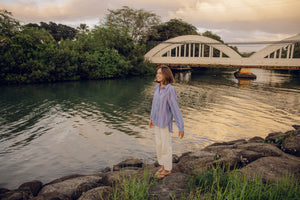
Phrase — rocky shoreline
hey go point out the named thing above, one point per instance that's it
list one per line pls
(272, 158)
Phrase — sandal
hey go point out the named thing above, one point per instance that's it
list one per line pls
(163, 174)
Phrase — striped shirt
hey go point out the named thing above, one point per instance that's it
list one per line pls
(164, 107)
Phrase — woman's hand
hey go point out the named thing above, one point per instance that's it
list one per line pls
(181, 134)
(150, 124)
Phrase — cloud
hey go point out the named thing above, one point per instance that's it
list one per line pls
(240, 10)
(233, 20)
(68, 10)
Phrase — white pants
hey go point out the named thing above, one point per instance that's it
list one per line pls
(163, 139)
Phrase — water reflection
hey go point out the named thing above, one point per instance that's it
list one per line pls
(244, 82)
(183, 76)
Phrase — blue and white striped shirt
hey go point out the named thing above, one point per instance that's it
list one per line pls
(164, 107)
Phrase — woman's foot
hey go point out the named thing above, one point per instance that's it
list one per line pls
(163, 174)
(160, 170)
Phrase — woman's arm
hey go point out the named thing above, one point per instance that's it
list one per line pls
(176, 111)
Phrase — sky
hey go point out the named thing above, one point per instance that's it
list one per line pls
(233, 20)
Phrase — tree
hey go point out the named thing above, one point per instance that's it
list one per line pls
(8, 25)
(171, 29)
(136, 23)
(212, 35)
(83, 28)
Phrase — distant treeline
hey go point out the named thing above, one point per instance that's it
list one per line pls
(50, 52)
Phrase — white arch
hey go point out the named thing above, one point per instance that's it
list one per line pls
(273, 48)
(164, 47)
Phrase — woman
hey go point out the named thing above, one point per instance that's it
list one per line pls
(164, 108)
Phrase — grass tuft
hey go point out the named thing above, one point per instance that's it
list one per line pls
(132, 188)
(217, 183)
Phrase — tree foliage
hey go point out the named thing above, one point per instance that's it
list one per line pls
(168, 30)
(213, 36)
(58, 31)
(171, 29)
(136, 23)
(32, 55)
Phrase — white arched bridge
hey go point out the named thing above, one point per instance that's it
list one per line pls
(200, 51)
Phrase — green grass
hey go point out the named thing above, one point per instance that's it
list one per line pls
(219, 184)
(213, 184)
(132, 188)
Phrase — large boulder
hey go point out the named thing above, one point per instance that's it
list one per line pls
(102, 192)
(73, 187)
(264, 148)
(32, 187)
(248, 156)
(173, 186)
(291, 145)
(14, 195)
(273, 168)
(196, 161)
(27, 190)
(52, 196)
(115, 177)
(256, 139)
(228, 158)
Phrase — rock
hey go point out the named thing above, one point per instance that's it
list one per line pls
(102, 192)
(264, 148)
(198, 161)
(228, 158)
(198, 154)
(128, 163)
(296, 127)
(291, 145)
(32, 187)
(64, 178)
(14, 195)
(107, 169)
(217, 148)
(114, 177)
(273, 168)
(3, 190)
(249, 156)
(73, 187)
(276, 138)
(51, 196)
(175, 158)
(173, 186)
(256, 140)
(25, 191)
(243, 141)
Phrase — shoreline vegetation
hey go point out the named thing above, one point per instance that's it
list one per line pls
(255, 168)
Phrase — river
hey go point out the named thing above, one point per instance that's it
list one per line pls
(51, 130)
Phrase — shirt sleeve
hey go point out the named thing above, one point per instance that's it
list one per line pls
(175, 109)
(152, 110)
(153, 105)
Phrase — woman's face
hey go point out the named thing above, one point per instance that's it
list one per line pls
(159, 75)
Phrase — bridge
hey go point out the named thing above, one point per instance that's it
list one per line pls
(200, 51)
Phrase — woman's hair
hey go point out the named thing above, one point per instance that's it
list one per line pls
(167, 74)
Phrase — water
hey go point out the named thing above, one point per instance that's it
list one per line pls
(52, 130)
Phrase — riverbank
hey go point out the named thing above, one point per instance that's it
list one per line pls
(271, 158)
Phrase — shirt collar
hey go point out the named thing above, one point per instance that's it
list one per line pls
(165, 87)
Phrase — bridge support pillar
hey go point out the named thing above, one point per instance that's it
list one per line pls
(244, 73)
